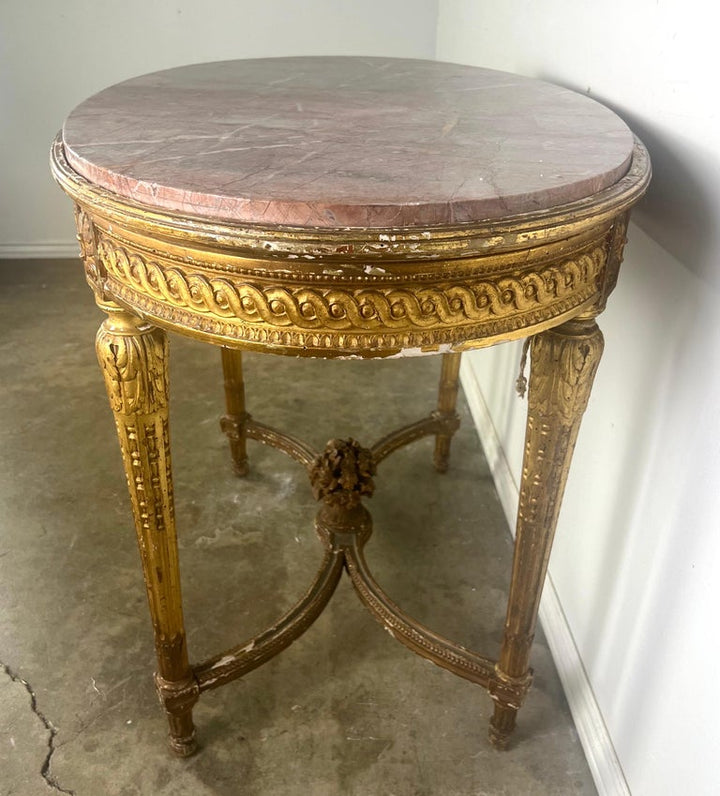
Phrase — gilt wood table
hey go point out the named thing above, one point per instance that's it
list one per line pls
(347, 207)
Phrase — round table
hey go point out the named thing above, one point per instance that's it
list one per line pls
(347, 207)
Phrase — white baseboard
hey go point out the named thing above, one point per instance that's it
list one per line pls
(594, 736)
(48, 250)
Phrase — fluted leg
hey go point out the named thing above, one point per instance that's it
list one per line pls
(233, 423)
(447, 398)
(563, 365)
(133, 357)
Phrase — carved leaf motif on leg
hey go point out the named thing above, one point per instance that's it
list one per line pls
(134, 367)
(565, 385)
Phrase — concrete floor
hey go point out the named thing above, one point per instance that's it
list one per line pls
(345, 710)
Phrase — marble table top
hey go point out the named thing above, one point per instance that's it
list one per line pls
(335, 142)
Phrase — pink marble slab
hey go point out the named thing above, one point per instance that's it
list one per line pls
(346, 142)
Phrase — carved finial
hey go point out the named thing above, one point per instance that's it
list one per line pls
(342, 473)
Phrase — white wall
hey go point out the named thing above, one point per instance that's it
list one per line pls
(55, 54)
(636, 564)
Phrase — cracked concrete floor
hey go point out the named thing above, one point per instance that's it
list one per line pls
(345, 710)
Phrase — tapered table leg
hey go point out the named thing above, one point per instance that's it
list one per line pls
(563, 365)
(234, 422)
(133, 357)
(447, 398)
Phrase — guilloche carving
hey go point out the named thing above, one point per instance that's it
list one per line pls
(367, 307)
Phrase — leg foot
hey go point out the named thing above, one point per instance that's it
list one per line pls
(182, 735)
(502, 725)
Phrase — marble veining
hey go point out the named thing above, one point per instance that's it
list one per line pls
(337, 142)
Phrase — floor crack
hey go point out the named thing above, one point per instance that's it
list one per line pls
(49, 726)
